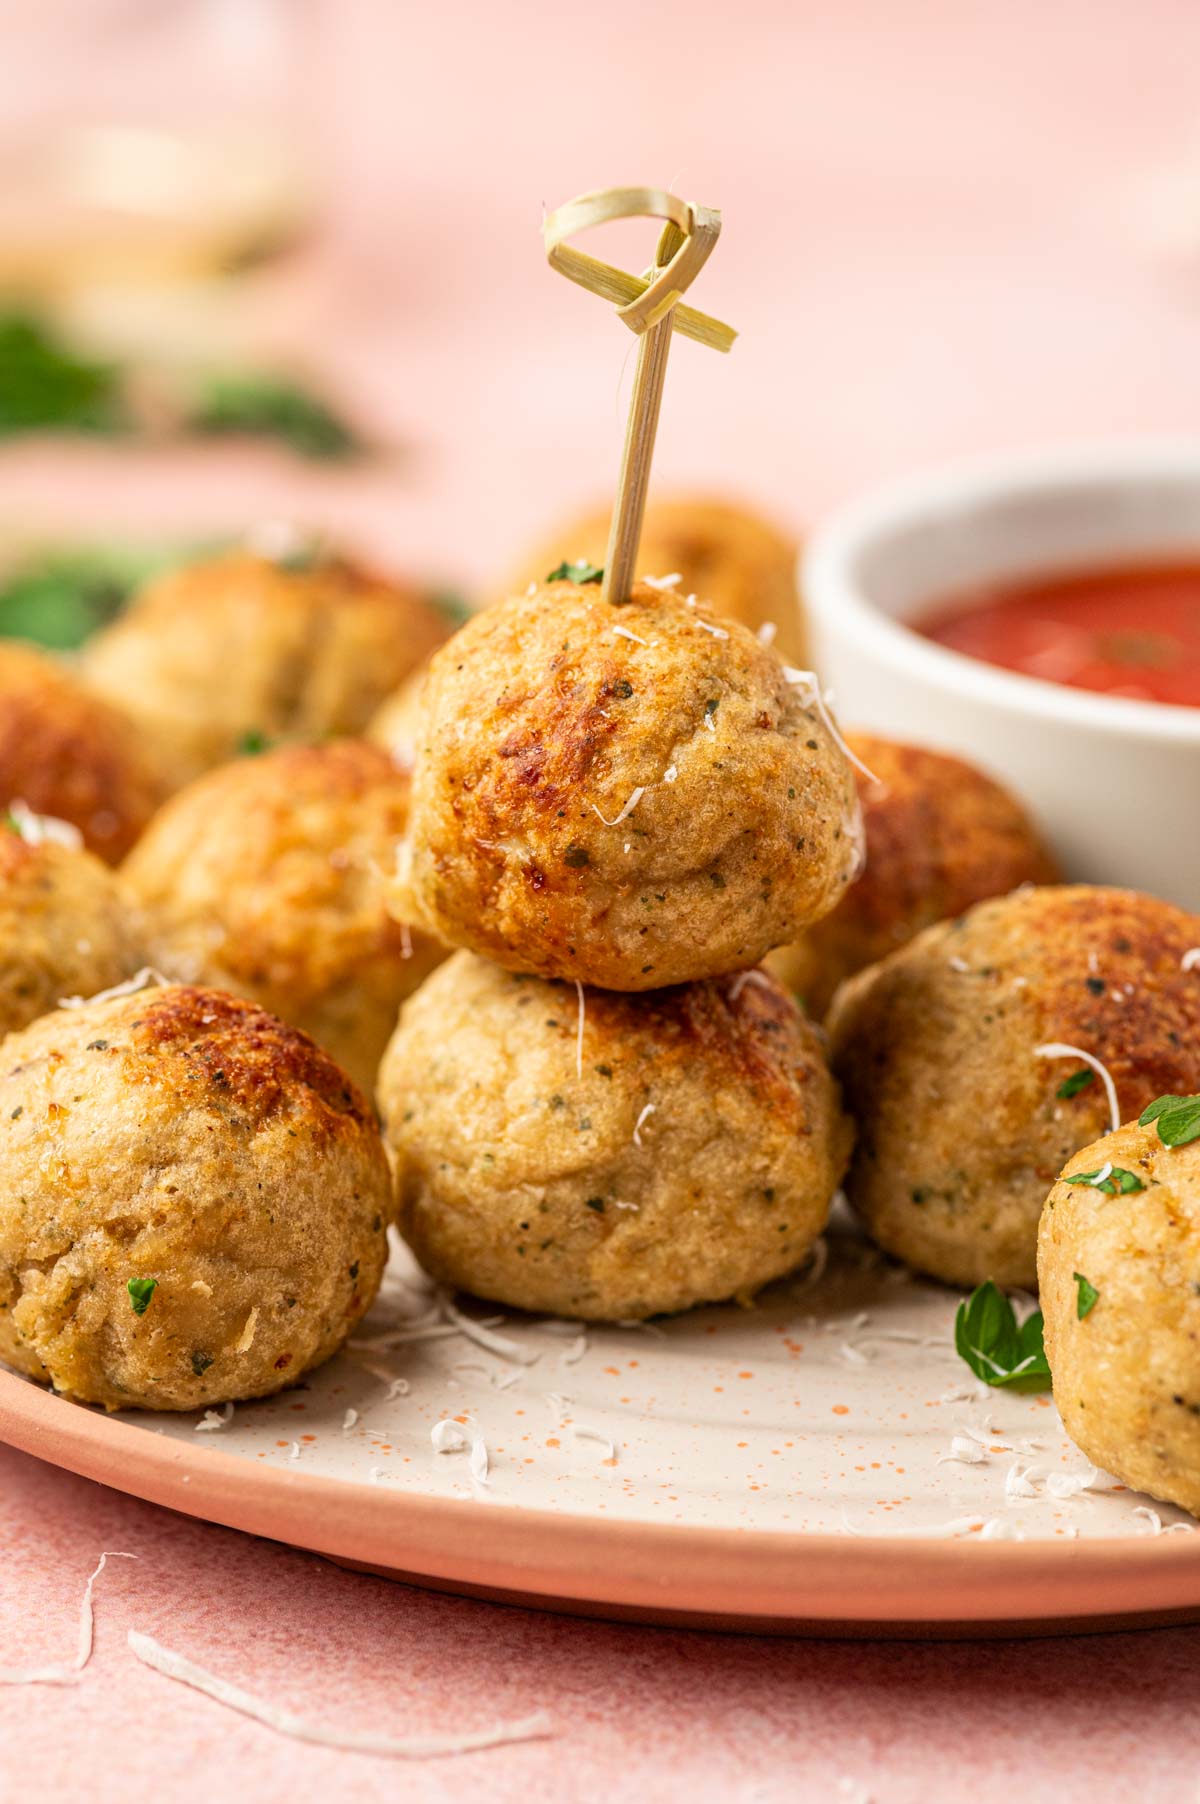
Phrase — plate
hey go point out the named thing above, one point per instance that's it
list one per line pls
(822, 1462)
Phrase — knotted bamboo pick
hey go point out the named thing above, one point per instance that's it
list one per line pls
(650, 306)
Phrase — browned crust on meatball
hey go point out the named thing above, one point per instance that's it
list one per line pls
(683, 1148)
(184, 1137)
(239, 644)
(208, 1047)
(266, 877)
(542, 718)
(68, 754)
(961, 1127)
(940, 836)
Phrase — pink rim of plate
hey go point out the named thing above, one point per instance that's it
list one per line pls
(604, 1566)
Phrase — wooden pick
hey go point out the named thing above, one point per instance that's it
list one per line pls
(650, 306)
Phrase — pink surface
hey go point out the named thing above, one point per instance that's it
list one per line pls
(935, 242)
(640, 1714)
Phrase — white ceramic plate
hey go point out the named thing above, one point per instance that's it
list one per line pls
(782, 1466)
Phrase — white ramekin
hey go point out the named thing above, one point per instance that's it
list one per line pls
(1115, 783)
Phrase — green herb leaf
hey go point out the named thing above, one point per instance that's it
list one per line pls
(270, 407)
(1178, 1119)
(453, 607)
(1078, 1080)
(252, 743)
(997, 1350)
(576, 573)
(60, 596)
(1087, 1298)
(46, 387)
(140, 1292)
(1116, 1182)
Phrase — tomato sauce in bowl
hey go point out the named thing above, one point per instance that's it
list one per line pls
(1132, 631)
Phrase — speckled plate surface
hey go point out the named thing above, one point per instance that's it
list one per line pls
(822, 1461)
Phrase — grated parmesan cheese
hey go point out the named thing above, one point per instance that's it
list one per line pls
(670, 774)
(767, 632)
(718, 632)
(299, 1728)
(139, 981)
(651, 1108)
(965, 1452)
(663, 582)
(348, 1420)
(212, 1419)
(1191, 959)
(809, 682)
(626, 811)
(1058, 1049)
(245, 1339)
(68, 1674)
(574, 1352)
(43, 829)
(623, 632)
(454, 1437)
(480, 1333)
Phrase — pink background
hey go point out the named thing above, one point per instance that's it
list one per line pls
(940, 237)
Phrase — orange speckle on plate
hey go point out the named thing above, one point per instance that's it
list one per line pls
(841, 1409)
(308, 1437)
(613, 1371)
(553, 1441)
(745, 1374)
(740, 1443)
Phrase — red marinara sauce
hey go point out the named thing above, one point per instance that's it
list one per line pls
(1132, 630)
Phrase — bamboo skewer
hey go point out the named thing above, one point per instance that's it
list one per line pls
(649, 306)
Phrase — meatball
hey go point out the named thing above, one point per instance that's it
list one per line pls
(193, 1201)
(730, 557)
(68, 928)
(678, 1148)
(1119, 1266)
(629, 795)
(243, 645)
(962, 1122)
(265, 878)
(67, 754)
(397, 725)
(939, 836)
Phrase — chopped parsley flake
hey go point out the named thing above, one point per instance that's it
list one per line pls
(252, 742)
(1087, 1297)
(1078, 1080)
(140, 1292)
(1116, 1181)
(1178, 1119)
(987, 1336)
(582, 572)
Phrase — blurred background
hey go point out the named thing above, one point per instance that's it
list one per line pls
(266, 258)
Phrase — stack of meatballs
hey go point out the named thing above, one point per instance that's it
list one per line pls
(552, 942)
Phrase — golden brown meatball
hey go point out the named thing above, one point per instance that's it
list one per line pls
(939, 836)
(1126, 1361)
(193, 1201)
(243, 645)
(685, 1149)
(630, 795)
(265, 878)
(397, 725)
(962, 1126)
(727, 555)
(68, 927)
(69, 755)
